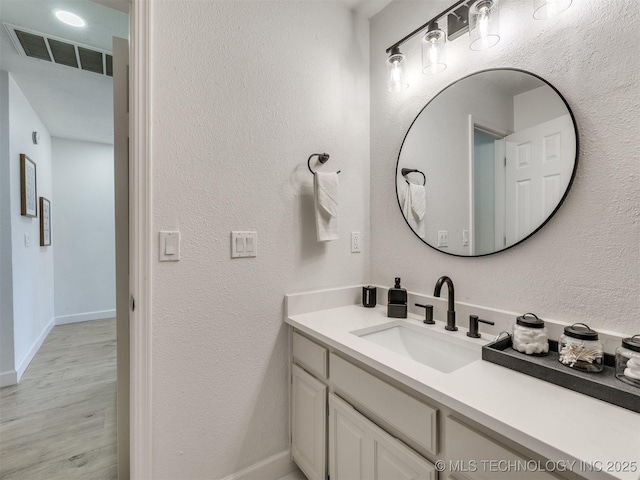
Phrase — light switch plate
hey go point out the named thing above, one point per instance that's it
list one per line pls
(465, 238)
(169, 246)
(244, 244)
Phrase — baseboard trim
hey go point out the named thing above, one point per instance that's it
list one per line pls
(271, 468)
(34, 349)
(10, 377)
(85, 317)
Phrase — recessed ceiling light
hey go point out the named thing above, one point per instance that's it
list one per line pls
(70, 18)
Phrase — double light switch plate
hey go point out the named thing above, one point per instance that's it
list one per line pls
(244, 244)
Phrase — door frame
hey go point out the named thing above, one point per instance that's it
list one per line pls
(140, 250)
(474, 124)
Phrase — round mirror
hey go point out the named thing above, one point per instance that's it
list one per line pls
(487, 162)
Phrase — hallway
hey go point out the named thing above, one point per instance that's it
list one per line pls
(59, 422)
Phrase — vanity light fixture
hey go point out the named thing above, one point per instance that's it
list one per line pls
(479, 17)
(484, 26)
(434, 50)
(543, 9)
(395, 70)
(69, 18)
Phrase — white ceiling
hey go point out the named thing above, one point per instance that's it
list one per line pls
(72, 103)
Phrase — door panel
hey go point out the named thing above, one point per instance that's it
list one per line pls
(536, 174)
(121, 180)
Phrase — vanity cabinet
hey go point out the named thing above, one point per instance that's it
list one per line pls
(350, 422)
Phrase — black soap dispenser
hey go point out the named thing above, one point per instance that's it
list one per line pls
(397, 306)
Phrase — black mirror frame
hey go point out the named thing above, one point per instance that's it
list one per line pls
(564, 196)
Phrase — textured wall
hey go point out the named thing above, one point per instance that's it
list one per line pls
(583, 265)
(85, 235)
(243, 93)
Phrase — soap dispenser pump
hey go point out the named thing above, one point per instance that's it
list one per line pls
(397, 306)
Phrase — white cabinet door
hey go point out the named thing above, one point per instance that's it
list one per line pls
(308, 424)
(360, 450)
(393, 460)
(348, 438)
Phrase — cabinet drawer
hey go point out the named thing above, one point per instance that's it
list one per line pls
(489, 459)
(411, 417)
(310, 355)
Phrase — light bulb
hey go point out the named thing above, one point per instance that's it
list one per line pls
(434, 51)
(395, 71)
(484, 27)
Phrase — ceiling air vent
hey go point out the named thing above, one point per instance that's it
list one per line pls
(58, 50)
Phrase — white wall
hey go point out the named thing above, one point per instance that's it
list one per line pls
(84, 260)
(7, 359)
(583, 265)
(33, 265)
(536, 106)
(248, 93)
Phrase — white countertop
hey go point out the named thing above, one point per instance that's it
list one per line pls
(557, 423)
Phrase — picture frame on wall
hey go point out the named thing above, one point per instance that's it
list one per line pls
(45, 222)
(28, 187)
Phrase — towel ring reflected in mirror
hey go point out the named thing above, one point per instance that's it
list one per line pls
(322, 158)
(407, 171)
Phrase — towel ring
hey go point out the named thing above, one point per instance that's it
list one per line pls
(407, 171)
(322, 158)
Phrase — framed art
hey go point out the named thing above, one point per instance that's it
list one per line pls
(28, 192)
(45, 222)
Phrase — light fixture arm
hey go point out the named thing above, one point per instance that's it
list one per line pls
(425, 25)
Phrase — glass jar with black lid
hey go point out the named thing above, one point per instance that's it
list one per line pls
(579, 348)
(530, 335)
(628, 361)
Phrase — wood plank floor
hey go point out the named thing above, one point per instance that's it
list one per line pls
(59, 422)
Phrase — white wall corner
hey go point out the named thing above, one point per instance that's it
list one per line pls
(22, 367)
(271, 468)
(85, 317)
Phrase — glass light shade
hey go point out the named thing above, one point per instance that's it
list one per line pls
(484, 24)
(395, 71)
(543, 9)
(434, 53)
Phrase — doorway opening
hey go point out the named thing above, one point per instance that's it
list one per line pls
(61, 296)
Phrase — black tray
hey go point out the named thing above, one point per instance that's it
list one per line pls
(603, 386)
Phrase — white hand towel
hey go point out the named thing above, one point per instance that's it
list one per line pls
(415, 214)
(326, 205)
(418, 200)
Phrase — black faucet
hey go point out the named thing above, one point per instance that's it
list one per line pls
(473, 326)
(451, 313)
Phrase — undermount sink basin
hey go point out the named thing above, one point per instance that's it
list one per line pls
(425, 345)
